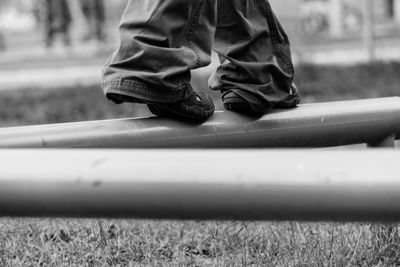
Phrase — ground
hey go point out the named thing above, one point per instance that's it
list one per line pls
(71, 242)
(59, 242)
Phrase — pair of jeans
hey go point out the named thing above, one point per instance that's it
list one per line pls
(163, 40)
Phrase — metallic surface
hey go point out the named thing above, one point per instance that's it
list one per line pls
(311, 125)
(202, 184)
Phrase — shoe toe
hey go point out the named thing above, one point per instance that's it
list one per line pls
(234, 102)
(199, 106)
(205, 101)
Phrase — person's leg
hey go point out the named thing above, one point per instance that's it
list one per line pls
(2, 41)
(99, 19)
(66, 35)
(256, 72)
(49, 23)
(161, 41)
(65, 22)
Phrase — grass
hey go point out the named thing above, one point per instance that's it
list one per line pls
(67, 242)
(71, 242)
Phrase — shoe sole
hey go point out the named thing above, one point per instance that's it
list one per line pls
(240, 106)
(161, 110)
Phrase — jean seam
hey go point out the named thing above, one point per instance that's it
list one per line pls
(189, 35)
(277, 48)
(120, 84)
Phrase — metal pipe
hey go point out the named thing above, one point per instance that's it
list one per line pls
(389, 142)
(310, 125)
(201, 184)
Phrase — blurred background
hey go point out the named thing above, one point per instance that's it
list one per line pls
(52, 52)
(51, 56)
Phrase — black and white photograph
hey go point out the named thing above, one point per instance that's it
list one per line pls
(200, 133)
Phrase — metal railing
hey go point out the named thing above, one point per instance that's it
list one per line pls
(307, 185)
(243, 184)
(372, 121)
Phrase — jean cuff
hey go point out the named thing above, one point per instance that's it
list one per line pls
(145, 92)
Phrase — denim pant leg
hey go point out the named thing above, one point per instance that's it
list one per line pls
(161, 41)
(255, 55)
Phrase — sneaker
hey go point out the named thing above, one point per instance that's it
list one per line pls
(199, 106)
(292, 100)
(236, 103)
(119, 99)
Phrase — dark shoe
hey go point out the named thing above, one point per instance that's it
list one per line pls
(291, 101)
(199, 106)
(236, 103)
(119, 99)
